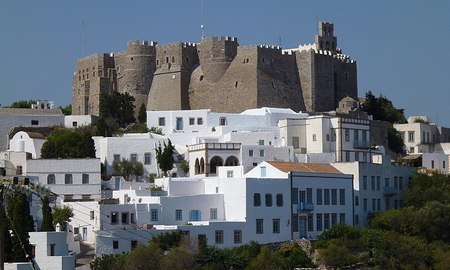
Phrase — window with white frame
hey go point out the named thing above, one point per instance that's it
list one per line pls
(212, 213)
(191, 121)
(410, 136)
(237, 236)
(219, 237)
(154, 214)
(117, 157)
(50, 179)
(133, 157)
(230, 174)
(276, 225)
(147, 158)
(161, 121)
(199, 121)
(222, 121)
(250, 153)
(295, 142)
(347, 135)
(68, 179)
(178, 214)
(85, 178)
(259, 226)
(261, 153)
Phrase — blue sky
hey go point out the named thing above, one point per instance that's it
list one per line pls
(402, 47)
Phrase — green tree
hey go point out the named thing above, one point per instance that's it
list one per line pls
(128, 168)
(156, 130)
(179, 258)
(21, 223)
(47, 216)
(336, 256)
(142, 115)
(25, 104)
(66, 110)
(62, 215)
(164, 157)
(144, 257)
(117, 106)
(425, 188)
(266, 259)
(381, 108)
(69, 144)
(168, 240)
(185, 166)
(109, 262)
(294, 256)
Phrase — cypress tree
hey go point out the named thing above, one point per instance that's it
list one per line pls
(47, 216)
(142, 116)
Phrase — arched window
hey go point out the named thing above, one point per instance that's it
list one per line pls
(50, 179)
(327, 45)
(173, 59)
(214, 163)
(232, 161)
(197, 166)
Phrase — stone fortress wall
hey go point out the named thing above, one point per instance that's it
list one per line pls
(220, 75)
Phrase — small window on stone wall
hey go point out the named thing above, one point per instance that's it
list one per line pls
(187, 59)
(201, 78)
(235, 84)
(157, 62)
(173, 59)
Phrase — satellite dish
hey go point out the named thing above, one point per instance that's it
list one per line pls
(140, 200)
(128, 199)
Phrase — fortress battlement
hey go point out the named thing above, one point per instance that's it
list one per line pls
(220, 38)
(178, 44)
(141, 43)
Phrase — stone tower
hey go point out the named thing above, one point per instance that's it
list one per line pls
(326, 40)
(135, 69)
(216, 55)
(94, 74)
(174, 65)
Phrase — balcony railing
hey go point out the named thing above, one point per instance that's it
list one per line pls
(215, 146)
(390, 191)
(361, 144)
(305, 207)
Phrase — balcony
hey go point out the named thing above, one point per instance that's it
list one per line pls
(390, 191)
(214, 146)
(361, 144)
(305, 207)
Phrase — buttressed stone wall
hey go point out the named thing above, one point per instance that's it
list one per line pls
(220, 75)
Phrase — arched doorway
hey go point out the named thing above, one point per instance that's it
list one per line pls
(214, 163)
(232, 161)
(197, 166)
(202, 166)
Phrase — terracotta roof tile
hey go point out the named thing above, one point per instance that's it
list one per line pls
(305, 167)
(22, 111)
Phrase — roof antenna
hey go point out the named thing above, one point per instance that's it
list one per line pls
(82, 38)
(202, 26)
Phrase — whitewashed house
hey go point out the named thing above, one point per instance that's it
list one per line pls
(378, 187)
(30, 142)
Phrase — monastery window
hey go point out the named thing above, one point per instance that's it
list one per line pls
(263, 60)
(326, 196)
(167, 59)
(83, 76)
(328, 137)
(250, 153)
(87, 75)
(179, 123)
(314, 137)
(125, 216)
(256, 199)
(91, 215)
(100, 72)
(356, 200)
(191, 121)
(114, 217)
(134, 244)
(364, 182)
(319, 196)
(131, 58)
(34, 122)
(260, 142)
(261, 153)
(74, 124)
(154, 214)
(236, 84)
(230, 174)
(310, 222)
(365, 205)
(219, 237)
(133, 157)
(187, 59)
(333, 219)
(347, 156)
(93, 73)
(117, 157)
(178, 214)
(79, 77)
(237, 236)
(347, 135)
(173, 59)
(268, 200)
(85, 178)
(372, 182)
(161, 121)
(50, 179)
(334, 196)
(201, 78)
(280, 199)
(276, 225)
(68, 178)
(212, 213)
(52, 249)
(157, 62)
(115, 244)
(147, 158)
(295, 142)
(319, 222)
(194, 215)
(326, 221)
(342, 196)
(222, 121)
(259, 226)
(410, 136)
(199, 121)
